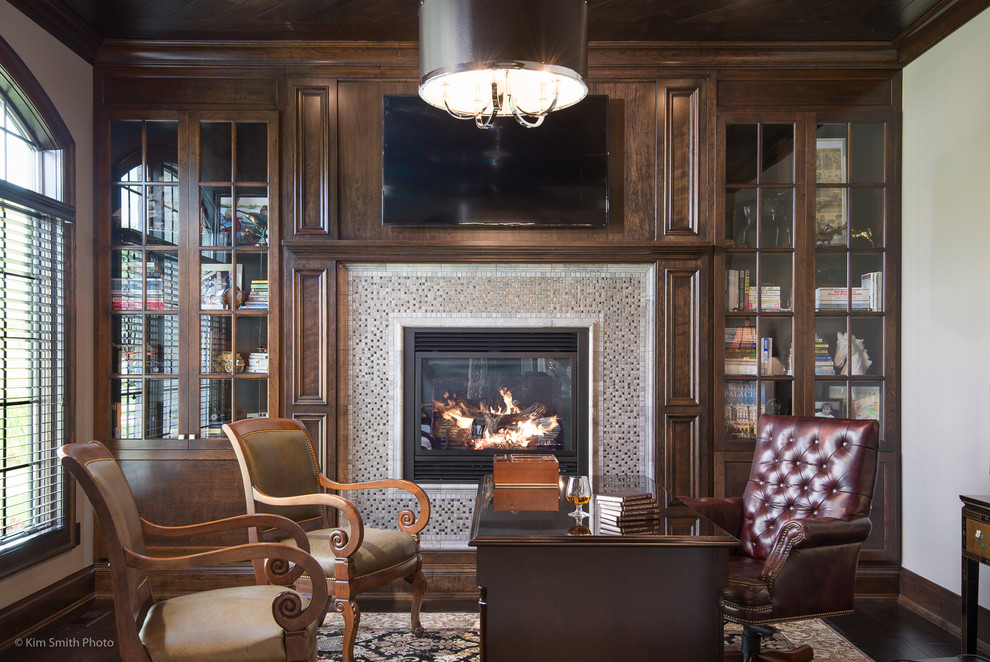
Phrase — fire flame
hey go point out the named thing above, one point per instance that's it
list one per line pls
(523, 432)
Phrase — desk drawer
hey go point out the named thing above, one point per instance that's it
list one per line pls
(978, 538)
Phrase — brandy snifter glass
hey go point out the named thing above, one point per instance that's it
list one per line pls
(578, 492)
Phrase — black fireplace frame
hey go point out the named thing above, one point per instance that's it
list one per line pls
(465, 466)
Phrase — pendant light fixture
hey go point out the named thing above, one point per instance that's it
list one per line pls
(482, 59)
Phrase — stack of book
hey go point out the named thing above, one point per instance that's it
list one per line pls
(624, 512)
(823, 362)
(257, 362)
(258, 297)
(740, 350)
(769, 298)
(737, 290)
(837, 298)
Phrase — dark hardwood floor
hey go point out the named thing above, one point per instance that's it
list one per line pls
(884, 629)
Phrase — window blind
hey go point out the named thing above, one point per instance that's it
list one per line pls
(33, 265)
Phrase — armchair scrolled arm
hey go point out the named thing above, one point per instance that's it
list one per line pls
(803, 535)
(343, 542)
(289, 619)
(407, 519)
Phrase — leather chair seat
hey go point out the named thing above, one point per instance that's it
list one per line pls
(219, 625)
(747, 597)
(380, 550)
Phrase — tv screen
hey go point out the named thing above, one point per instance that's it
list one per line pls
(441, 171)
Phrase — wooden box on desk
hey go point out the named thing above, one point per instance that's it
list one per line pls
(520, 469)
(526, 498)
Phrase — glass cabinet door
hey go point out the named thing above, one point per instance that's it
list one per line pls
(145, 232)
(233, 274)
(759, 203)
(849, 223)
(188, 279)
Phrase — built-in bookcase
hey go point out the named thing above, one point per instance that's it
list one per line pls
(188, 227)
(805, 300)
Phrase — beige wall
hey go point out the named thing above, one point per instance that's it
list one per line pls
(945, 327)
(68, 80)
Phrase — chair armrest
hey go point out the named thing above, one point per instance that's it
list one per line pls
(813, 533)
(283, 524)
(727, 514)
(343, 542)
(287, 606)
(407, 519)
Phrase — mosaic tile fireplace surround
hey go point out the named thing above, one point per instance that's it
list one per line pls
(614, 302)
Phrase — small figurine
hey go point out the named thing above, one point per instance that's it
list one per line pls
(828, 232)
(234, 297)
(860, 359)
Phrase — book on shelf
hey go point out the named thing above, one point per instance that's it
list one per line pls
(737, 290)
(838, 298)
(769, 298)
(823, 360)
(873, 282)
(258, 296)
(744, 366)
(257, 362)
(741, 409)
(740, 350)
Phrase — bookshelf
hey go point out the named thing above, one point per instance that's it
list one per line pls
(188, 295)
(805, 306)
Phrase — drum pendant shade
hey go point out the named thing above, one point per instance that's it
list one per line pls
(524, 58)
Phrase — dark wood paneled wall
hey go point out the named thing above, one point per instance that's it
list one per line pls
(663, 106)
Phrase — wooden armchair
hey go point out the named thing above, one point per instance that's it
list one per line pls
(244, 623)
(281, 475)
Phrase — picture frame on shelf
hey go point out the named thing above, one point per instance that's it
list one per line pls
(831, 227)
(831, 205)
(830, 409)
(865, 401)
(215, 279)
(830, 158)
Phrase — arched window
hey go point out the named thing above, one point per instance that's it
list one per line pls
(36, 217)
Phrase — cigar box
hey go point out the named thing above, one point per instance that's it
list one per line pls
(523, 469)
(541, 497)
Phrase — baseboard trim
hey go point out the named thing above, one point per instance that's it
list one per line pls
(942, 607)
(45, 607)
(876, 580)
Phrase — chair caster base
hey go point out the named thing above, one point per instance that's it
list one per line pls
(802, 653)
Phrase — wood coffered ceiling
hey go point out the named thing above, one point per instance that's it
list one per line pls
(908, 26)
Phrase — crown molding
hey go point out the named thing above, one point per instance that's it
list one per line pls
(934, 26)
(63, 24)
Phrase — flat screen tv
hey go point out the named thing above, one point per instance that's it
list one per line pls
(441, 171)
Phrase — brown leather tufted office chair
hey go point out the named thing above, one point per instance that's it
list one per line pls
(281, 475)
(244, 623)
(802, 520)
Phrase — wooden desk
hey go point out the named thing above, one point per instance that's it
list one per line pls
(550, 596)
(975, 550)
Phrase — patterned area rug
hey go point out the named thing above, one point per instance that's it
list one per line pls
(453, 637)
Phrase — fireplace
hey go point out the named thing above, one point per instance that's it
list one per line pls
(470, 393)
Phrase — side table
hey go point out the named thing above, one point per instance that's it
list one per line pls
(975, 550)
